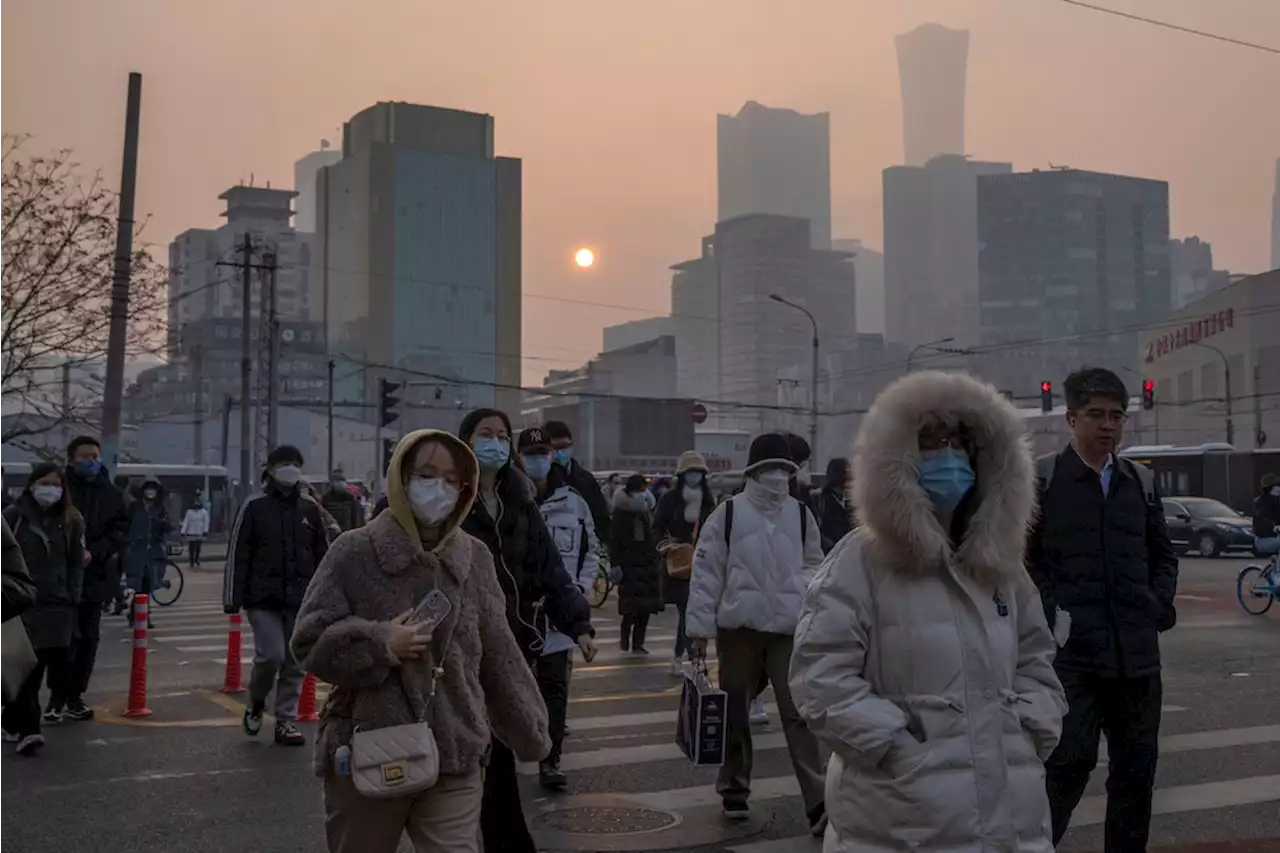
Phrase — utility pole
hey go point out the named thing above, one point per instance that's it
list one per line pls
(1258, 436)
(273, 351)
(226, 426)
(122, 269)
(331, 368)
(197, 408)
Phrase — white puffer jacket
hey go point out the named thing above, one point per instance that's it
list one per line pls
(929, 669)
(758, 580)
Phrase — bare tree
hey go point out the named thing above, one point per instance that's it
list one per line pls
(58, 233)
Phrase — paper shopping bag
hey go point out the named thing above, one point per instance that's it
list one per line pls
(700, 727)
(17, 657)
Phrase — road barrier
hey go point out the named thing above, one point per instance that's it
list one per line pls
(138, 672)
(307, 701)
(233, 681)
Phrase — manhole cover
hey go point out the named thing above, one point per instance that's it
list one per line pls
(607, 820)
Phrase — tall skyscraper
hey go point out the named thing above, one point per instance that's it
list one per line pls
(304, 182)
(775, 161)
(931, 69)
(931, 251)
(869, 265)
(1071, 263)
(1275, 221)
(733, 342)
(200, 290)
(1191, 272)
(421, 260)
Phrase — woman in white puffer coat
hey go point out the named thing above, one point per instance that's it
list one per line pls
(922, 657)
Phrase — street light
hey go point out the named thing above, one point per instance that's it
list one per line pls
(813, 410)
(1226, 377)
(930, 345)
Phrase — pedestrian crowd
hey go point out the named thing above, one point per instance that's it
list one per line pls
(947, 624)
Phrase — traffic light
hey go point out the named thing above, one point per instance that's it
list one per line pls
(1148, 394)
(388, 450)
(1046, 396)
(386, 402)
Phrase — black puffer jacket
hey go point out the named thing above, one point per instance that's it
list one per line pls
(53, 549)
(1266, 514)
(633, 548)
(669, 522)
(106, 524)
(1108, 563)
(530, 571)
(277, 543)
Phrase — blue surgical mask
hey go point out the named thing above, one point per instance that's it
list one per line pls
(88, 467)
(693, 478)
(537, 466)
(491, 453)
(946, 476)
(564, 456)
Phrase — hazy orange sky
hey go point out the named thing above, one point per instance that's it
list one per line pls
(612, 106)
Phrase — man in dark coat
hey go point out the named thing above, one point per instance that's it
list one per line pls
(278, 541)
(340, 503)
(579, 479)
(832, 507)
(106, 523)
(1101, 557)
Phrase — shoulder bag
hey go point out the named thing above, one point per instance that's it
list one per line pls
(398, 761)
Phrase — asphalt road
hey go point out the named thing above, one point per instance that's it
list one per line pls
(187, 779)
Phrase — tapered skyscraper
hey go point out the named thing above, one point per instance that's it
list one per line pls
(931, 69)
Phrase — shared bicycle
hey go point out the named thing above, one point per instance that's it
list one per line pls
(1258, 587)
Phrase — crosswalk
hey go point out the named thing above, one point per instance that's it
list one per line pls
(623, 764)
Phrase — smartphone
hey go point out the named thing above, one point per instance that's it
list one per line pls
(432, 610)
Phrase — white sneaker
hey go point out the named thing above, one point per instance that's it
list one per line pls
(759, 716)
(677, 668)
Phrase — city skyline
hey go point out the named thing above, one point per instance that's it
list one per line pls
(637, 180)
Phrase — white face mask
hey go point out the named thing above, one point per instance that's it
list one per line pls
(46, 495)
(432, 499)
(776, 482)
(287, 475)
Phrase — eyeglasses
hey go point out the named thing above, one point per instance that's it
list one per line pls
(1115, 416)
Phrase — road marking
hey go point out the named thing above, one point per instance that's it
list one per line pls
(786, 786)
(590, 670)
(142, 777)
(1186, 596)
(618, 756)
(1093, 810)
(629, 697)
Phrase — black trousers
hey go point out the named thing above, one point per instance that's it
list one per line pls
(22, 715)
(193, 551)
(502, 824)
(84, 648)
(633, 630)
(553, 680)
(1127, 711)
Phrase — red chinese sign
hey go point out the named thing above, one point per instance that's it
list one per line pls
(1191, 333)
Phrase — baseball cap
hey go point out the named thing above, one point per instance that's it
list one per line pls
(533, 438)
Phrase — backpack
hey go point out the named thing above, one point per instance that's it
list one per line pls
(1046, 466)
(804, 525)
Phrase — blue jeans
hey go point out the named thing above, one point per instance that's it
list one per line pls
(1266, 544)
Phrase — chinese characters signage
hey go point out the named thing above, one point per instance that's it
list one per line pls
(1191, 333)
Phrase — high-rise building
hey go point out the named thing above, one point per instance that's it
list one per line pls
(734, 344)
(1191, 272)
(931, 251)
(199, 289)
(931, 70)
(1071, 265)
(420, 258)
(304, 182)
(775, 161)
(1275, 221)
(635, 332)
(869, 265)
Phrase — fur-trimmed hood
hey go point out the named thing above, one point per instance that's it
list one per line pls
(641, 502)
(895, 511)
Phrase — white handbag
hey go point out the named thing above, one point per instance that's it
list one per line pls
(397, 761)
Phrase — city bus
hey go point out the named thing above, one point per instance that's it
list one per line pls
(1214, 470)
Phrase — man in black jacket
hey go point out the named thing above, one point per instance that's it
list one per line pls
(580, 479)
(1101, 557)
(278, 541)
(106, 524)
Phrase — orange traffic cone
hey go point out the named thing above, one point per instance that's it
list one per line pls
(307, 701)
(138, 671)
(233, 681)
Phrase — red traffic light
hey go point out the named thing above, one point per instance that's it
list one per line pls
(1046, 387)
(1148, 385)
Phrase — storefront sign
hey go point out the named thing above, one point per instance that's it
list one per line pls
(1191, 333)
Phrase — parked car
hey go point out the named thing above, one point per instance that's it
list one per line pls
(1207, 526)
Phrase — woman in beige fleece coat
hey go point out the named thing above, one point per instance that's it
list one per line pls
(353, 632)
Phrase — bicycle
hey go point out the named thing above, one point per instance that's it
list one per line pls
(601, 585)
(166, 591)
(1256, 595)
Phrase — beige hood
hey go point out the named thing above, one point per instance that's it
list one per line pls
(895, 511)
(398, 500)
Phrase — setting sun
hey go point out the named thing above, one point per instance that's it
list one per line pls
(584, 258)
